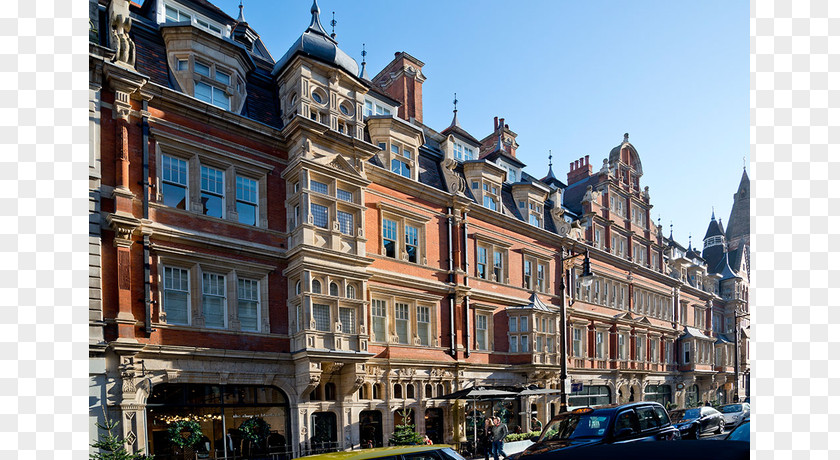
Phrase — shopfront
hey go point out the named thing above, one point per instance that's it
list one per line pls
(590, 395)
(659, 393)
(197, 421)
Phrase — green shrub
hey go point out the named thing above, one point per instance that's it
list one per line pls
(521, 436)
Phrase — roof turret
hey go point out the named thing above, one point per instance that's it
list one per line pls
(316, 43)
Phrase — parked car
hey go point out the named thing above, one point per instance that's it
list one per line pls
(433, 452)
(639, 421)
(733, 414)
(741, 432)
(704, 449)
(697, 421)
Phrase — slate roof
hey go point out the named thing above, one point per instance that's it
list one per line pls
(574, 193)
(715, 228)
(739, 217)
(691, 332)
(535, 304)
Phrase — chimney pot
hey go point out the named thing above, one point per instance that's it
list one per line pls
(501, 122)
(495, 123)
(397, 54)
(571, 166)
(587, 159)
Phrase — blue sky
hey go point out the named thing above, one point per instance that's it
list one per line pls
(571, 77)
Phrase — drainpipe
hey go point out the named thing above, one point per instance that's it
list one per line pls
(466, 253)
(451, 296)
(147, 301)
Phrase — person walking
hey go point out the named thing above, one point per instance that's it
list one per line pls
(500, 431)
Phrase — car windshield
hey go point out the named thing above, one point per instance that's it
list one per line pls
(576, 426)
(731, 408)
(742, 433)
(685, 414)
(451, 454)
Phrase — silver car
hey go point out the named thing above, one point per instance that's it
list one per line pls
(733, 414)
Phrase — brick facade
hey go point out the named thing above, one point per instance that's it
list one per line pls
(343, 257)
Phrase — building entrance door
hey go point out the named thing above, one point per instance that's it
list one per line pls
(434, 425)
(370, 429)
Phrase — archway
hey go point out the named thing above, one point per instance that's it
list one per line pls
(434, 424)
(370, 428)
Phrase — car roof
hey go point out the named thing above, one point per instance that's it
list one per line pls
(376, 452)
(610, 408)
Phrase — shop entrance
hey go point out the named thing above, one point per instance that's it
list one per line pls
(370, 428)
(434, 425)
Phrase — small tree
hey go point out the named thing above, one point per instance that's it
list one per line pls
(111, 446)
(404, 434)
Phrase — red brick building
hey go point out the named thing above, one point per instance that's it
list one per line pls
(286, 241)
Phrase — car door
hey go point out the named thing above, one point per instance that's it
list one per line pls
(626, 427)
(648, 423)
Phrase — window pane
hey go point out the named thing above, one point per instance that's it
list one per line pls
(176, 295)
(514, 344)
(222, 77)
(319, 215)
(523, 324)
(171, 14)
(202, 69)
(401, 311)
(344, 195)
(321, 315)
(411, 239)
(523, 344)
(221, 99)
(512, 324)
(247, 213)
(213, 299)
(248, 296)
(319, 187)
(203, 92)
(345, 222)
(378, 309)
(389, 237)
(423, 325)
(347, 316)
(174, 195)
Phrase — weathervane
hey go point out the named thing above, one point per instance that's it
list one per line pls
(333, 23)
(549, 158)
(364, 53)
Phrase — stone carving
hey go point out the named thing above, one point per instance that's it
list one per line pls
(591, 196)
(454, 182)
(605, 169)
(120, 40)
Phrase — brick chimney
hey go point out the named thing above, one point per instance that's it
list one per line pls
(402, 79)
(491, 143)
(579, 169)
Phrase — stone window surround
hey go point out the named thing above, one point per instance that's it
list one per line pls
(197, 155)
(324, 298)
(196, 265)
(488, 311)
(536, 259)
(404, 218)
(393, 296)
(492, 245)
(583, 326)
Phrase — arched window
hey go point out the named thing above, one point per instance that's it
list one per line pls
(316, 287)
(334, 289)
(428, 391)
(364, 391)
(317, 394)
(440, 391)
(297, 288)
(409, 391)
(377, 391)
(329, 392)
(351, 291)
(397, 391)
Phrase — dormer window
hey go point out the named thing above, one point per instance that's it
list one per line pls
(462, 152)
(401, 160)
(372, 108)
(179, 14)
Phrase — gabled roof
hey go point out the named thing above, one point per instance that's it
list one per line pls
(535, 304)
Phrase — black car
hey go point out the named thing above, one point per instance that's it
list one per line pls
(697, 421)
(640, 421)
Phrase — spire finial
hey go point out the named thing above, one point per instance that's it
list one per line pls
(241, 17)
(626, 137)
(333, 23)
(745, 162)
(713, 213)
(672, 230)
(549, 158)
(455, 103)
(315, 24)
(363, 72)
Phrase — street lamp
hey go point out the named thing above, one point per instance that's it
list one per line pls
(585, 279)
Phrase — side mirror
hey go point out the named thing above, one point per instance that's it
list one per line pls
(624, 432)
(535, 439)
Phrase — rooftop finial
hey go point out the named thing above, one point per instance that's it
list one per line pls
(672, 230)
(626, 137)
(333, 23)
(549, 158)
(363, 73)
(455, 103)
(241, 17)
(455, 121)
(745, 162)
(315, 24)
(659, 221)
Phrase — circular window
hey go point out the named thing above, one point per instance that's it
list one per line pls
(317, 98)
(344, 109)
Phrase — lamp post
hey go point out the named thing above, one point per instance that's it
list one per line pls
(586, 279)
(736, 317)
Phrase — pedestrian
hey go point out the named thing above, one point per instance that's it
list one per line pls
(487, 437)
(500, 431)
(426, 440)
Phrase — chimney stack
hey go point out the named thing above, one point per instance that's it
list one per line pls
(579, 169)
(402, 79)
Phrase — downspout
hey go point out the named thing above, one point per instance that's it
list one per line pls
(564, 352)
(147, 268)
(451, 296)
(466, 252)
